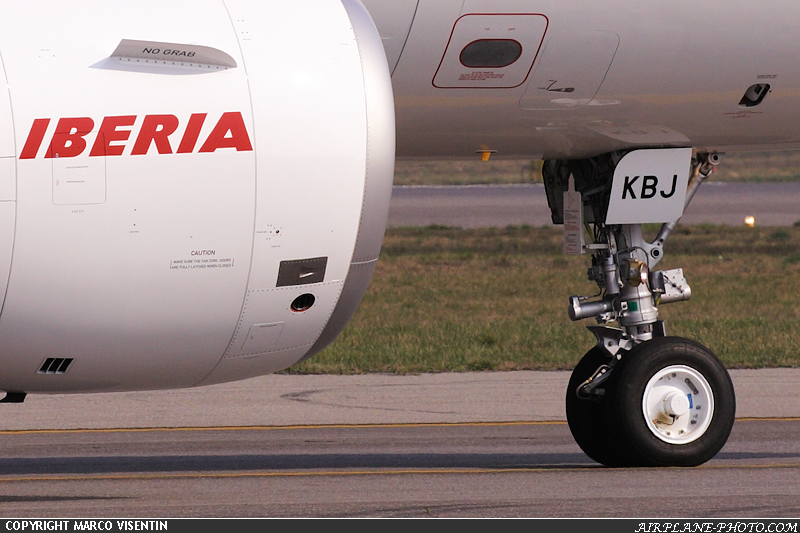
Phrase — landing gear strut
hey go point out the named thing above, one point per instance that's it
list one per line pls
(639, 397)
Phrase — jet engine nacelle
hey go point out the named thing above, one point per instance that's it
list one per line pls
(191, 192)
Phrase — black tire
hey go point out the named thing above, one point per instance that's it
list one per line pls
(588, 418)
(649, 442)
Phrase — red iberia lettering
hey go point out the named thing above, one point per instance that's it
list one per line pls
(68, 139)
(192, 133)
(35, 138)
(218, 138)
(109, 133)
(155, 129)
(112, 138)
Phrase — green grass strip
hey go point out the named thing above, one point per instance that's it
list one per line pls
(447, 299)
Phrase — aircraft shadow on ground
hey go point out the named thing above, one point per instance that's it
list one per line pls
(285, 462)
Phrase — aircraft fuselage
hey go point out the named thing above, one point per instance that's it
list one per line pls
(592, 77)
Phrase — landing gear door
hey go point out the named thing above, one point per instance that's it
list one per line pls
(650, 186)
(8, 184)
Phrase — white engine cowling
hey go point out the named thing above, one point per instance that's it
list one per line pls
(191, 192)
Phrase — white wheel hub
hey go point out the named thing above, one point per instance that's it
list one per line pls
(678, 404)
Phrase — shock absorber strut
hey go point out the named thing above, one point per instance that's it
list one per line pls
(622, 260)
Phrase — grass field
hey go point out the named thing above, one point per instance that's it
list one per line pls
(447, 299)
(754, 166)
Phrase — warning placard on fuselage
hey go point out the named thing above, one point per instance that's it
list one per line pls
(650, 186)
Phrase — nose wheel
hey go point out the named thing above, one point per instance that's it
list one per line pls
(668, 402)
(587, 413)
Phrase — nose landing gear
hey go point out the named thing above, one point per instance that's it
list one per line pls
(638, 398)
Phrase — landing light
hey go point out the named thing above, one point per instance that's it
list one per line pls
(638, 274)
(750, 221)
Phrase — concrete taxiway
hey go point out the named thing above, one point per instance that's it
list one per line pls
(770, 204)
(432, 445)
(290, 400)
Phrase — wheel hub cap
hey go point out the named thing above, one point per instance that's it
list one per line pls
(678, 404)
(675, 404)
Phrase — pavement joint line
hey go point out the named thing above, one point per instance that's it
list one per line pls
(333, 426)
